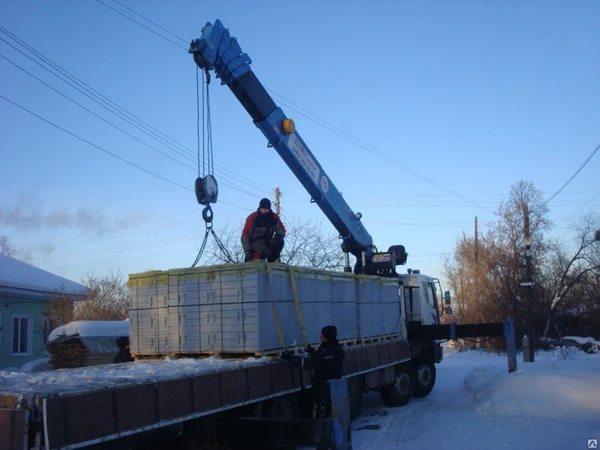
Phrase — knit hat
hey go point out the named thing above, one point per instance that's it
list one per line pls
(265, 203)
(329, 332)
(122, 342)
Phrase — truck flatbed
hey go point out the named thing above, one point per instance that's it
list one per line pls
(74, 408)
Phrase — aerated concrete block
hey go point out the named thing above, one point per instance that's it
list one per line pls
(255, 307)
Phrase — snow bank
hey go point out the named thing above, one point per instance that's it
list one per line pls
(547, 388)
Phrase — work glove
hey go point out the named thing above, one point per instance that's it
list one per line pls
(248, 257)
(310, 350)
(285, 355)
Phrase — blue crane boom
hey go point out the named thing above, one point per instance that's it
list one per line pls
(217, 50)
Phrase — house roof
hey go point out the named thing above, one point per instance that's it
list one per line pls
(17, 275)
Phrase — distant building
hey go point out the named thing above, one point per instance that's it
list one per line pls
(25, 292)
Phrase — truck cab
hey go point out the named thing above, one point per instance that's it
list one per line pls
(423, 308)
(420, 297)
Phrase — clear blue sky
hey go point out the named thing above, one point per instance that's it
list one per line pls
(466, 98)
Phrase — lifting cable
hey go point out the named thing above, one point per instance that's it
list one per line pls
(206, 186)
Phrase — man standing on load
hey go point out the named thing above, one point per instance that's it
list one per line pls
(263, 233)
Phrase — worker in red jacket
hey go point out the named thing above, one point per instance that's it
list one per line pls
(263, 233)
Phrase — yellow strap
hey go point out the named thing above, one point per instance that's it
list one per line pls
(297, 303)
(275, 314)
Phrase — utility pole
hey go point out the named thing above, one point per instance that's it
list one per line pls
(278, 195)
(529, 285)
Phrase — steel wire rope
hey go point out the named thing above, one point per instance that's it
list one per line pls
(107, 152)
(226, 182)
(92, 94)
(207, 163)
(116, 109)
(102, 149)
(326, 124)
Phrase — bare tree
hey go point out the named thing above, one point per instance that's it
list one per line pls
(489, 286)
(5, 247)
(566, 269)
(107, 299)
(60, 310)
(306, 244)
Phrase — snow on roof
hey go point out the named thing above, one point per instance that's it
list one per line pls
(91, 328)
(20, 275)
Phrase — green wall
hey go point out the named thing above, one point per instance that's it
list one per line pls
(10, 306)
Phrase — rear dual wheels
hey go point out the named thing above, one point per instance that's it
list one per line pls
(401, 390)
(424, 377)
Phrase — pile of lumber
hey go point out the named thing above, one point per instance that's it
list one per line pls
(73, 353)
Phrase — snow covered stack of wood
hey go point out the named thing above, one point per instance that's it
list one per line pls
(85, 343)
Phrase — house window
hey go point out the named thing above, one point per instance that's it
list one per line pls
(22, 333)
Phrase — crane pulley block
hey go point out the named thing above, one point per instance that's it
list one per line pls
(207, 190)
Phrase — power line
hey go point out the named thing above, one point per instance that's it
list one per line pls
(92, 112)
(94, 145)
(323, 122)
(90, 92)
(327, 125)
(574, 175)
(144, 26)
(148, 20)
(120, 112)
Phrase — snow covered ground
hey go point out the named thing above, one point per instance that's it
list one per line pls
(553, 403)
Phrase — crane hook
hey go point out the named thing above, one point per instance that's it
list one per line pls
(207, 214)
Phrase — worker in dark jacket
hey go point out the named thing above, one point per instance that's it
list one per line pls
(263, 233)
(124, 354)
(327, 363)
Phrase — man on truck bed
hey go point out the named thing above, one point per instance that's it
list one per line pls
(327, 362)
(263, 233)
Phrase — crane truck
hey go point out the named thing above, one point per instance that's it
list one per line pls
(389, 322)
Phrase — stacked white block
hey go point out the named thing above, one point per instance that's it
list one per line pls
(255, 307)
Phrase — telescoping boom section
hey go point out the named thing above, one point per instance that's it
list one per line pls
(216, 50)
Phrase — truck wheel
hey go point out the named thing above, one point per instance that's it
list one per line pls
(355, 393)
(400, 392)
(424, 377)
(284, 407)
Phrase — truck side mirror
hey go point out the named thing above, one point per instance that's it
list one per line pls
(448, 310)
(447, 297)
